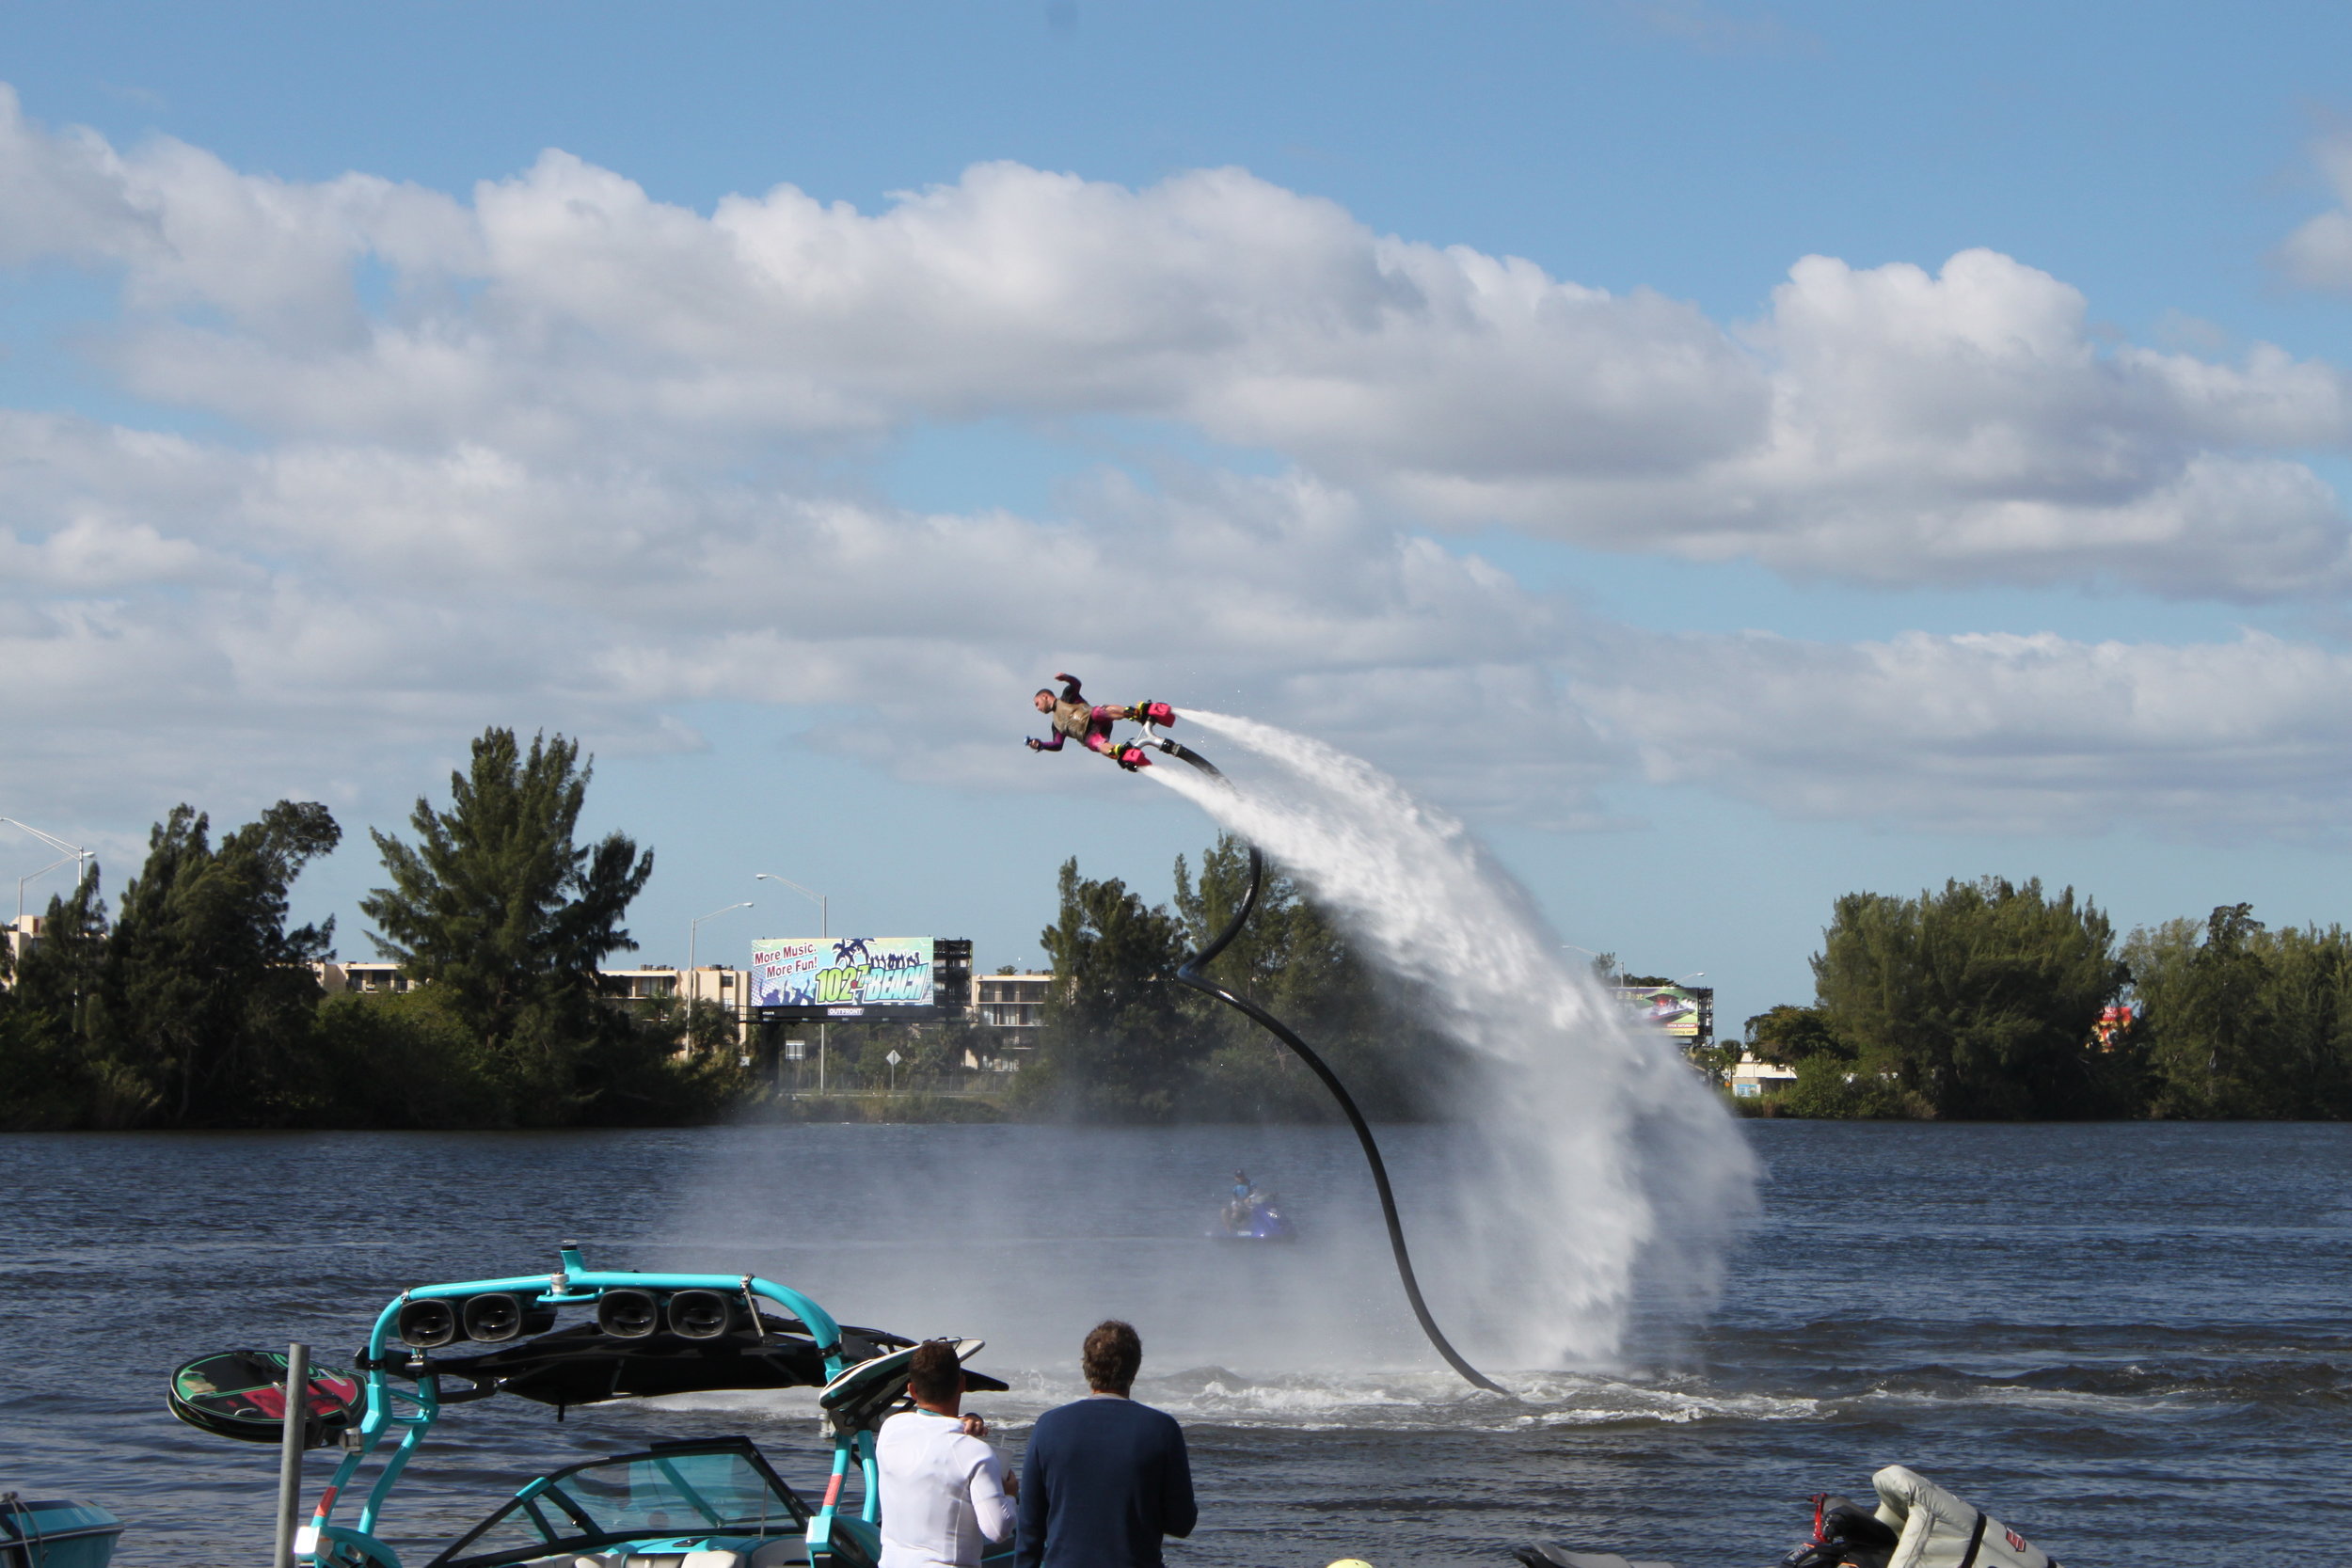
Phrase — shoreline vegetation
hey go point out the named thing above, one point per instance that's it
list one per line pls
(191, 1005)
(1992, 1001)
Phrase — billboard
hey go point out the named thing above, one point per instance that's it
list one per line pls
(842, 976)
(1682, 1013)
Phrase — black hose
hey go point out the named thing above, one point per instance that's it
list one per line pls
(1190, 974)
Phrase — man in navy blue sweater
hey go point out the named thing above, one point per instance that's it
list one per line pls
(1106, 1478)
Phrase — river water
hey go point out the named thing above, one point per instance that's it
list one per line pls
(2129, 1342)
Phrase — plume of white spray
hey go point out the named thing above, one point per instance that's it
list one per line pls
(1598, 1174)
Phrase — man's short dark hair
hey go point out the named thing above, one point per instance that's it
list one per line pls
(933, 1373)
(1112, 1354)
(1044, 690)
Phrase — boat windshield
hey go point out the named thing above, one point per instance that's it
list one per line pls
(687, 1490)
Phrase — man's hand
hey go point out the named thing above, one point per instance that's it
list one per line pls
(975, 1427)
(1012, 1485)
(1034, 744)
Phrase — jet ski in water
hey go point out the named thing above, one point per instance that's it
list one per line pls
(1251, 1215)
(1917, 1525)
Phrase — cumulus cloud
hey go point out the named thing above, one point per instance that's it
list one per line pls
(541, 455)
(2319, 253)
(1884, 424)
(2003, 732)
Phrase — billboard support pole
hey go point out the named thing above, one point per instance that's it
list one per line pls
(824, 928)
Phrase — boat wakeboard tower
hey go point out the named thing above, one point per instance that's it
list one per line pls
(1194, 973)
(713, 1502)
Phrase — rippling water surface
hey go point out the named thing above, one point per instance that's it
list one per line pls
(2130, 1341)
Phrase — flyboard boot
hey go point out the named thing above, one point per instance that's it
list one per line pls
(1153, 716)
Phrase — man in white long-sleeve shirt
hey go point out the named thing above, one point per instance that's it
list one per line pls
(944, 1491)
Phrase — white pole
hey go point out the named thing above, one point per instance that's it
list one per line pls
(694, 931)
(296, 1434)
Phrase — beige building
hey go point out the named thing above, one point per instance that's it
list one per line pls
(24, 931)
(1010, 1001)
(336, 978)
(1751, 1077)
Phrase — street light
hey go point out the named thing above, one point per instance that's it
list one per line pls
(693, 929)
(824, 928)
(72, 852)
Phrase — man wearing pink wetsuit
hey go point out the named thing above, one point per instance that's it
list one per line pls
(1075, 719)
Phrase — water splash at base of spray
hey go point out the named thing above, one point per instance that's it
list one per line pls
(1598, 1173)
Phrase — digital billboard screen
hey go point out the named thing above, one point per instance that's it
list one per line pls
(842, 973)
(1680, 1012)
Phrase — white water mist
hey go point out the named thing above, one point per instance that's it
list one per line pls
(1596, 1175)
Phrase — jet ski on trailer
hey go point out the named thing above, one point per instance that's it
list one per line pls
(715, 1503)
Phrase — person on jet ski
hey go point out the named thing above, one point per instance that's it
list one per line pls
(1074, 718)
(1244, 1193)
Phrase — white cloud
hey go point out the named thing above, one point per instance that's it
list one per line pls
(2319, 253)
(2000, 733)
(545, 476)
(1961, 427)
(1887, 424)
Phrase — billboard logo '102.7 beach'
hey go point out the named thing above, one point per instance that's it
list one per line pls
(846, 971)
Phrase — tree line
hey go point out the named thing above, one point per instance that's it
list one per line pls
(1121, 1041)
(1990, 1000)
(190, 1004)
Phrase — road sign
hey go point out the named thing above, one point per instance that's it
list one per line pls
(893, 1058)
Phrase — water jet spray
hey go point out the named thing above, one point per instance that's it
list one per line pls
(1193, 973)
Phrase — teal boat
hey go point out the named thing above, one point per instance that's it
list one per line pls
(56, 1533)
(712, 1502)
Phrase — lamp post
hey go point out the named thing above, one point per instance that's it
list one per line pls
(694, 931)
(74, 852)
(824, 928)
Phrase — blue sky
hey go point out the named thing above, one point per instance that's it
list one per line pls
(845, 371)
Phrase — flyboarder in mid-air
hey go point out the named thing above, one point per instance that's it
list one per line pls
(1074, 719)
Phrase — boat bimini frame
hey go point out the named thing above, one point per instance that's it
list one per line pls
(654, 1334)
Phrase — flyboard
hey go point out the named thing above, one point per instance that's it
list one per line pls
(1193, 973)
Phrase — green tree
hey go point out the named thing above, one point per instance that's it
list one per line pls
(1790, 1035)
(501, 909)
(2239, 1021)
(1981, 1000)
(2305, 1069)
(1830, 1088)
(52, 1073)
(41, 1085)
(205, 996)
(1117, 1044)
(1294, 960)
(405, 1060)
